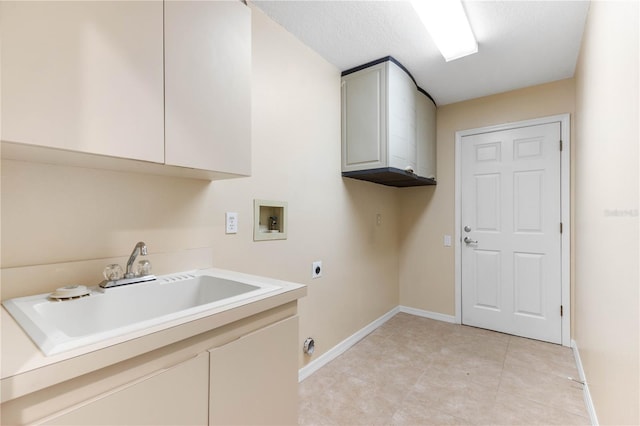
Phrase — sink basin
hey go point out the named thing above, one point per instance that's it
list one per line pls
(58, 326)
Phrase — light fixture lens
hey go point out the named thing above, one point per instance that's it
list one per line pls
(448, 25)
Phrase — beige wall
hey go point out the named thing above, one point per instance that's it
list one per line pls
(607, 232)
(427, 272)
(62, 225)
(296, 158)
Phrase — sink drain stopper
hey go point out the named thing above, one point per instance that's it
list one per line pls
(70, 292)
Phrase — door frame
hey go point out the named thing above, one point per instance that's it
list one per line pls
(565, 196)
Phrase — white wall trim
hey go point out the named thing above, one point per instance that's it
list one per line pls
(428, 314)
(343, 346)
(565, 191)
(591, 409)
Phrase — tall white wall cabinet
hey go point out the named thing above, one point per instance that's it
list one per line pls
(154, 86)
(388, 126)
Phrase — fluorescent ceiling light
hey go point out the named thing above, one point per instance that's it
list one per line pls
(448, 25)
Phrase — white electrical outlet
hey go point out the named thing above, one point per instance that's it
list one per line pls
(316, 269)
(232, 222)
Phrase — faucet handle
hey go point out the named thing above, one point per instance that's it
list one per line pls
(144, 268)
(112, 272)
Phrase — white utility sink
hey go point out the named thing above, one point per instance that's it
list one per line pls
(57, 326)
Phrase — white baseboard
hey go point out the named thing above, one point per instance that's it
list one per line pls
(343, 346)
(587, 395)
(428, 314)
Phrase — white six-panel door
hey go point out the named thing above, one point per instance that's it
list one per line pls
(511, 215)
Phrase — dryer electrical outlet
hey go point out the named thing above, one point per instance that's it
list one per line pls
(316, 269)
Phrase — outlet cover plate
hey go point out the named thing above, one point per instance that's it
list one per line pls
(231, 222)
(316, 269)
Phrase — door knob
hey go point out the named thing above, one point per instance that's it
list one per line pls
(468, 240)
(467, 228)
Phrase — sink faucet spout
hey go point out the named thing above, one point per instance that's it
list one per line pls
(140, 248)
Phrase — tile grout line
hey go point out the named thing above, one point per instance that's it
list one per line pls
(504, 361)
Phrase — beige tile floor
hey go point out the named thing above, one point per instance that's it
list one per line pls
(417, 371)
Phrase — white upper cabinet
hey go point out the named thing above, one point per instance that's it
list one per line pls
(378, 119)
(388, 126)
(208, 85)
(84, 76)
(401, 114)
(168, 83)
(364, 119)
(426, 135)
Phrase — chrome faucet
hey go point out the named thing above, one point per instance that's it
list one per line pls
(140, 248)
(130, 277)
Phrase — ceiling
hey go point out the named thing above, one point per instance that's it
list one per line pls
(520, 43)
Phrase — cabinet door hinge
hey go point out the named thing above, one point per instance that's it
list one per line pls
(561, 310)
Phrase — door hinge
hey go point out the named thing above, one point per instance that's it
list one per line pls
(561, 310)
(560, 144)
(561, 227)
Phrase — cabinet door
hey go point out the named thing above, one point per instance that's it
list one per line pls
(254, 380)
(208, 85)
(402, 119)
(364, 123)
(426, 136)
(175, 396)
(84, 76)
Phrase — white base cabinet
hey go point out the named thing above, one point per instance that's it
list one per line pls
(252, 382)
(171, 396)
(245, 372)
